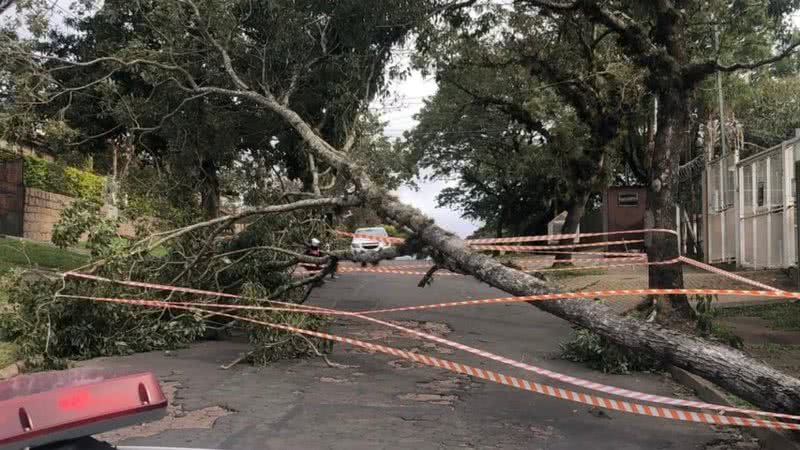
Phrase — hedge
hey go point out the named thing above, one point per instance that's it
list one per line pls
(60, 179)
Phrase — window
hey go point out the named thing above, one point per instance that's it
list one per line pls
(762, 187)
(747, 175)
(628, 200)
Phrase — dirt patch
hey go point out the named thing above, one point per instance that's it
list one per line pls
(755, 330)
(176, 419)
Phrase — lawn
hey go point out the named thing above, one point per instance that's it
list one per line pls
(20, 253)
(782, 316)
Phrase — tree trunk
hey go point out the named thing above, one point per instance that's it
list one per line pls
(575, 213)
(501, 222)
(671, 138)
(209, 190)
(731, 369)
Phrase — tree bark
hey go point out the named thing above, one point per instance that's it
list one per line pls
(671, 138)
(575, 213)
(209, 191)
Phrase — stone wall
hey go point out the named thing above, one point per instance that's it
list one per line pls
(43, 211)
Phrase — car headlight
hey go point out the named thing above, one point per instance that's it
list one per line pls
(355, 245)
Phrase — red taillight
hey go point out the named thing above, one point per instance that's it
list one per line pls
(49, 407)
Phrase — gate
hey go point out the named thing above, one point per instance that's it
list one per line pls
(12, 197)
(721, 173)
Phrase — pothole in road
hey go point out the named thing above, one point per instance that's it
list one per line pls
(435, 399)
(380, 333)
(440, 392)
(333, 380)
(175, 419)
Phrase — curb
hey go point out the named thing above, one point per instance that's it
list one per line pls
(708, 392)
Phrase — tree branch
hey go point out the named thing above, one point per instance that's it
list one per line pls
(511, 109)
(696, 72)
(226, 58)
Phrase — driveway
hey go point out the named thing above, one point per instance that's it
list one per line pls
(374, 401)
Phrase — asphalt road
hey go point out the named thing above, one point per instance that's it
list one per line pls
(377, 401)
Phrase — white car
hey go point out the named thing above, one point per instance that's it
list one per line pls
(363, 244)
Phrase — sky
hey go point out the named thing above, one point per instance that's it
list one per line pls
(406, 99)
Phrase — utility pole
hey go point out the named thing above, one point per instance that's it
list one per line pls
(721, 99)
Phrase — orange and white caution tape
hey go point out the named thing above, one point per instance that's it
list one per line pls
(604, 254)
(727, 274)
(558, 237)
(393, 271)
(607, 403)
(517, 239)
(555, 375)
(605, 266)
(534, 248)
(591, 294)
(541, 371)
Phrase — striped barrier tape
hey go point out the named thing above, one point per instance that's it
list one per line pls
(393, 271)
(591, 294)
(609, 265)
(541, 371)
(727, 274)
(578, 397)
(185, 290)
(531, 248)
(545, 372)
(558, 237)
(605, 254)
(605, 266)
(517, 239)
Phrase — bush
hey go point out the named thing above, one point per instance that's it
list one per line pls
(85, 217)
(49, 330)
(600, 354)
(85, 185)
(54, 177)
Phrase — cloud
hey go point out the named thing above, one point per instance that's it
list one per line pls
(407, 99)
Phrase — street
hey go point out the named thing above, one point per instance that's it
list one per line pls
(373, 401)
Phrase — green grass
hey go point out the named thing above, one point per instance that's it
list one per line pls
(782, 316)
(559, 274)
(8, 354)
(22, 254)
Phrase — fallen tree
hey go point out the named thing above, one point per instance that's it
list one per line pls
(733, 370)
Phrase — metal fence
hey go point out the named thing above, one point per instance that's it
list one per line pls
(750, 208)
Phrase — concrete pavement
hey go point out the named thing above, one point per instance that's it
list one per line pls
(375, 401)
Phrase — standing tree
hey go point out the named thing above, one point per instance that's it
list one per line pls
(670, 41)
(570, 57)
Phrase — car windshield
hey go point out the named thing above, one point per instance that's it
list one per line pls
(372, 232)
